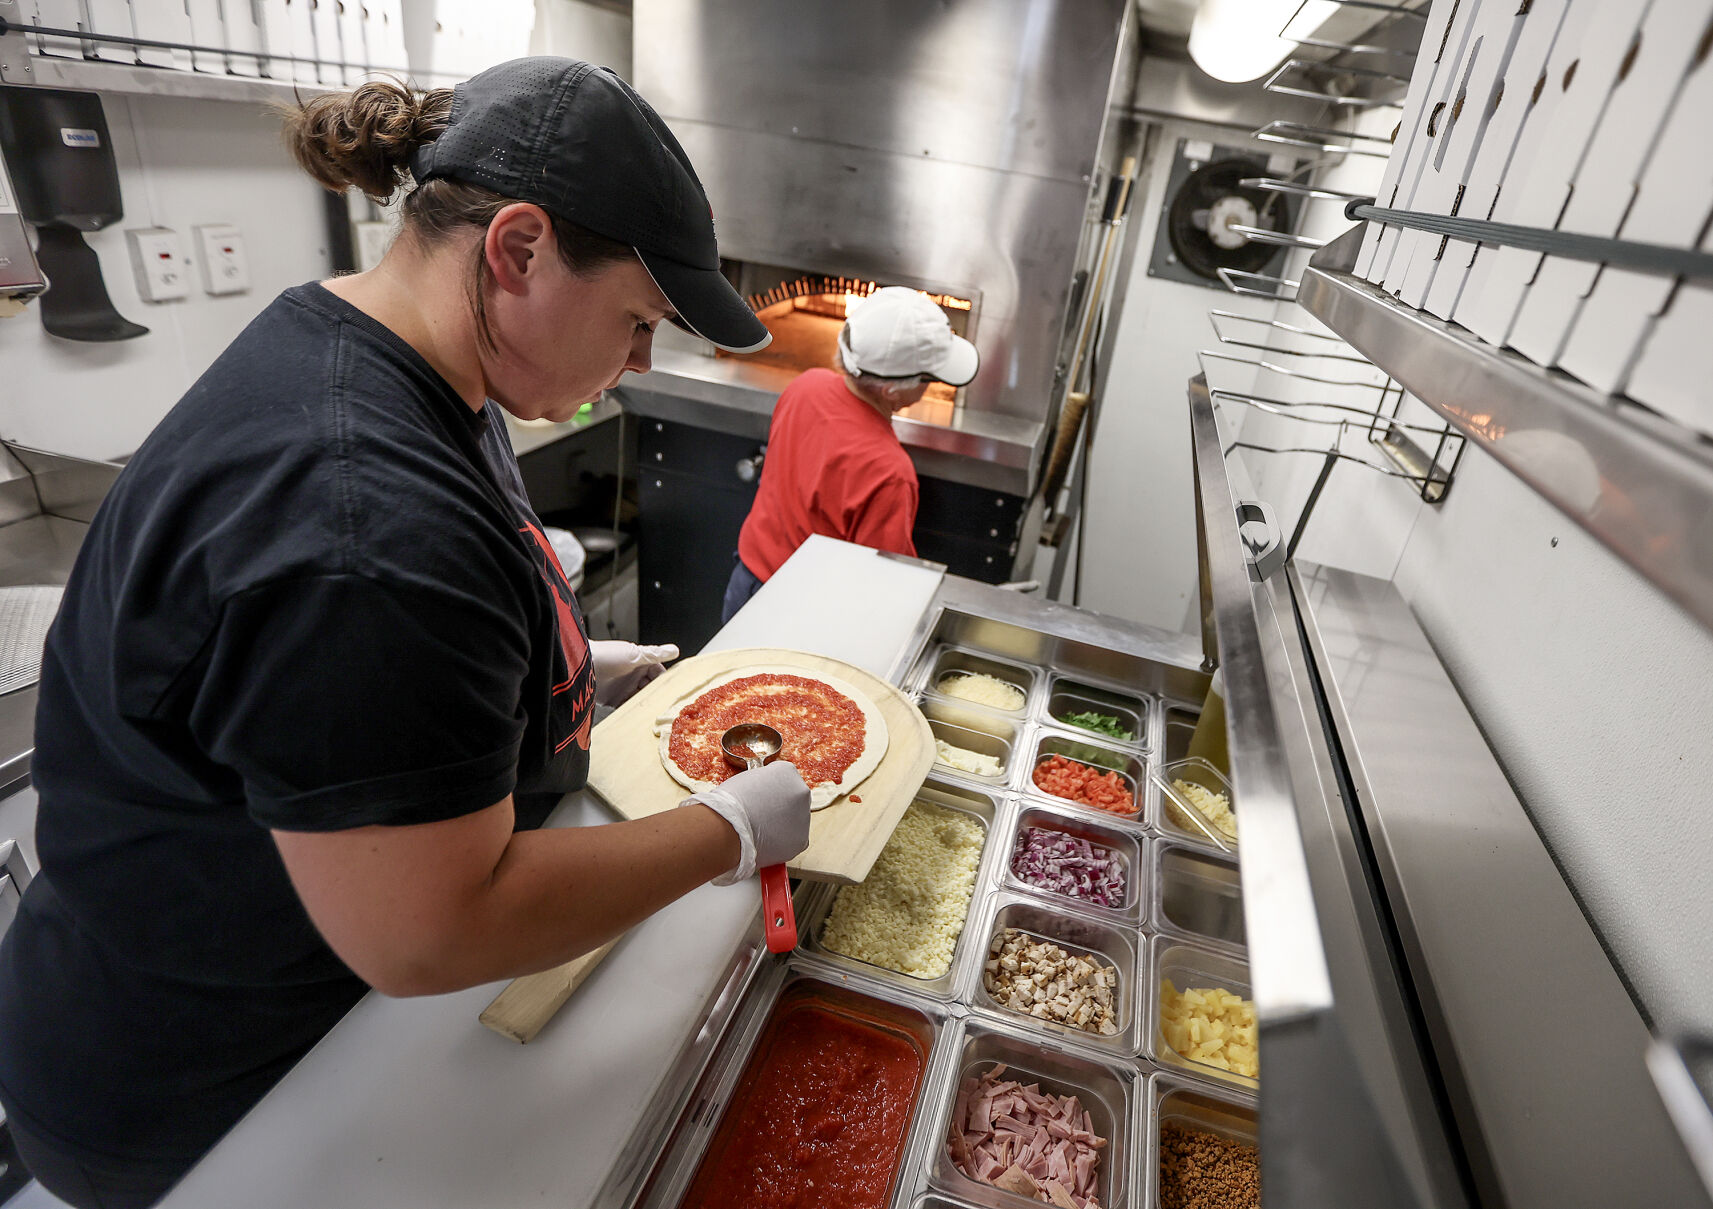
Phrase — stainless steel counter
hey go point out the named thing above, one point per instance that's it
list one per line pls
(36, 550)
(727, 394)
(412, 1103)
(529, 435)
(1433, 1006)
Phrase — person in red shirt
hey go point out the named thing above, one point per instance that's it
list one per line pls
(834, 466)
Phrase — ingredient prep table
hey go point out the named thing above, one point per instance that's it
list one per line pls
(618, 1102)
(413, 1103)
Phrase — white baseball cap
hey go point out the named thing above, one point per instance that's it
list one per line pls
(897, 332)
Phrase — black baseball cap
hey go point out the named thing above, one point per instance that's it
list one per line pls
(579, 142)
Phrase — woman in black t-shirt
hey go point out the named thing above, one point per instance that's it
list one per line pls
(318, 672)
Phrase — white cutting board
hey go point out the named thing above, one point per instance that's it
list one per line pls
(865, 602)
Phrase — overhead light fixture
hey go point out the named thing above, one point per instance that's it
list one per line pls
(1238, 40)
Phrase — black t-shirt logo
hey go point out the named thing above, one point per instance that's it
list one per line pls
(577, 677)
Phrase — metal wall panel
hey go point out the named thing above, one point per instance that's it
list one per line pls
(1005, 239)
(1014, 85)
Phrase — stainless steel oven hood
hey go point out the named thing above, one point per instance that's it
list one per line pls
(952, 146)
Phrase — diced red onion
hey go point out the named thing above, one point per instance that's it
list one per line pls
(1069, 865)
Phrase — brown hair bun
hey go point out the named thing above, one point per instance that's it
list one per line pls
(364, 138)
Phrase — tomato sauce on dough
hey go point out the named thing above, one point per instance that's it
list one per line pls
(818, 1118)
(824, 730)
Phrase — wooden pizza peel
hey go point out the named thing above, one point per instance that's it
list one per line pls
(846, 836)
(625, 769)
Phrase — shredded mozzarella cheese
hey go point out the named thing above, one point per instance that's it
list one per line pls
(983, 689)
(908, 913)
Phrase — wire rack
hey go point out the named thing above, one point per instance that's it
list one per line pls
(1328, 387)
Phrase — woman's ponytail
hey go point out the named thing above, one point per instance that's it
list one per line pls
(364, 138)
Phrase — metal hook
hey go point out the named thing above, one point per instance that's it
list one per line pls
(1278, 186)
(1281, 407)
(1216, 313)
(1295, 134)
(1324, 453)
(1289, 373)
(1352, 48)
(1283, 239)
(1397, 9)
(1275, 83)
(1358, 358)
(1233, 279)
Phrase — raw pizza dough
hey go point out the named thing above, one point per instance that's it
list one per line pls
(820, 796)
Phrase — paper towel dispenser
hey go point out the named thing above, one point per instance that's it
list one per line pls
(67, 183)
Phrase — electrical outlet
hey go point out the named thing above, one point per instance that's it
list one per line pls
(225, 265)
(157, 258)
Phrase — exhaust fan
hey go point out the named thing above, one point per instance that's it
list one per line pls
(1207, 205)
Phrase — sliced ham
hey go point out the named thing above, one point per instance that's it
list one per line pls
(962, 1155)
(1017, 1137)
(1015, 1179)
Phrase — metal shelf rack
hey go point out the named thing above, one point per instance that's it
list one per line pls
(96, 75)
(1639, 483)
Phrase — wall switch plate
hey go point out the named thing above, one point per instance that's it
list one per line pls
(157, 258)
(225, 265)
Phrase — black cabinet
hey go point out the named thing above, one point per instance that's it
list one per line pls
(690, 505)
(973, 530)
(691, 502)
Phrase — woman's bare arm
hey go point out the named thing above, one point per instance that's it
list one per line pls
(438, 907)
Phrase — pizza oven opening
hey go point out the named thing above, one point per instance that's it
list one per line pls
(805, 310)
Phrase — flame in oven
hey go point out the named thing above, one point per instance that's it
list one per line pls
(834, 297)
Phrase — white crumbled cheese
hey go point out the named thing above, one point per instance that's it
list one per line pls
(982, 689)
(965, 760)
(908, 914)
(1212, 805)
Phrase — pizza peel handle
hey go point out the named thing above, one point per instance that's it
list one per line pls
(748, 746)
(779, 920)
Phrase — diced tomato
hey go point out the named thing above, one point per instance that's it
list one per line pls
(1078, 782)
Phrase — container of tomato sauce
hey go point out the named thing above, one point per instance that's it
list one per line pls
(822, 1111)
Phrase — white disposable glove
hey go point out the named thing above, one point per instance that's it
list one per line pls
(769, 809)
(621, 668)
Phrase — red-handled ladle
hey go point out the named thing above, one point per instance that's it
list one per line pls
(746, 746)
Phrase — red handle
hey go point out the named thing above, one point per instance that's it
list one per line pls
(777, 918)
